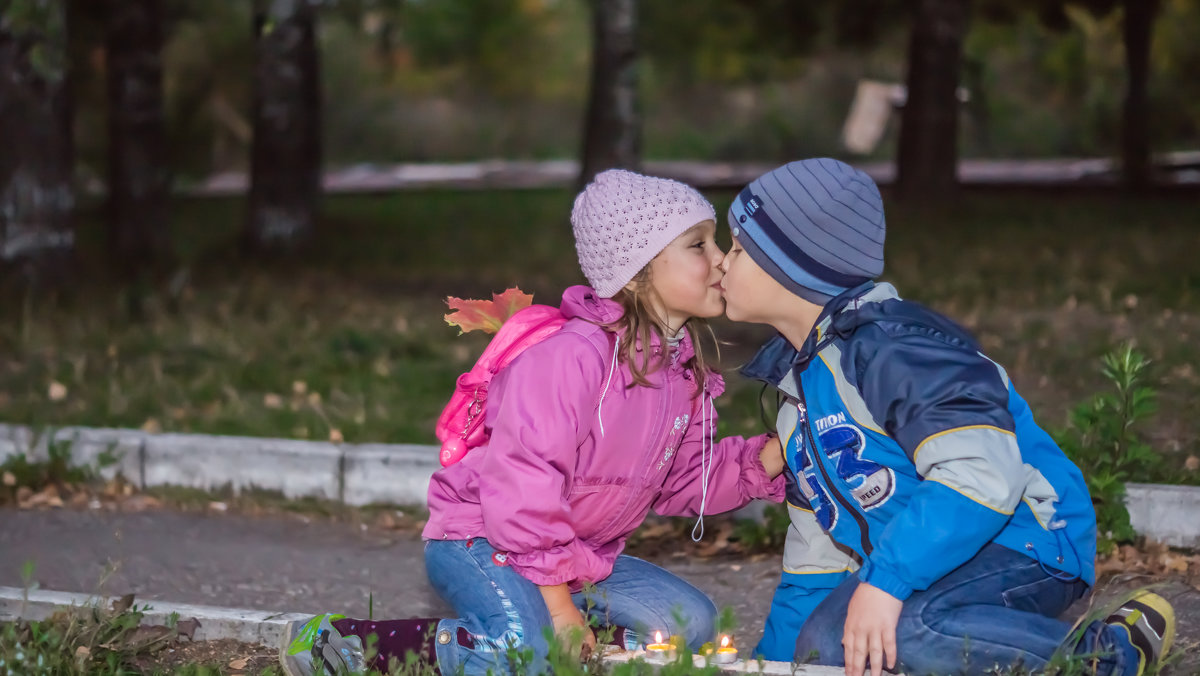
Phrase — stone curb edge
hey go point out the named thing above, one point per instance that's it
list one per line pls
(398, 474)
(256, 626)
(247, 626)
(353, 474)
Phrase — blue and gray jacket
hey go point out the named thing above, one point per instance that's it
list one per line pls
(908, 450)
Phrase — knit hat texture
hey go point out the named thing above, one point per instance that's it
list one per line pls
(814, 225)
(622, 220)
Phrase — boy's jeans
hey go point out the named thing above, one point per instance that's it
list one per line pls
(497, 607)
(999, 608)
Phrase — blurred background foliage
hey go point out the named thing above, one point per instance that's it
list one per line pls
(446, 80)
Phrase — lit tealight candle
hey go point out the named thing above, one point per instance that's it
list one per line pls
(659, 651)
(726, 654)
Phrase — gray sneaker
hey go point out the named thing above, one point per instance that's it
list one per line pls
(313, 647)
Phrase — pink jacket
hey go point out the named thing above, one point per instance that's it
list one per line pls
(577, 458)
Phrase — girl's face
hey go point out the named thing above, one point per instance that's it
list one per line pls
(751, 295)
(686, 278)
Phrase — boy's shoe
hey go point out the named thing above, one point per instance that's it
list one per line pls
(1149, 620)
(314, 648)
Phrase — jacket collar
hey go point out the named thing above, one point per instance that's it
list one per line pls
(584, 303)
(838, 319)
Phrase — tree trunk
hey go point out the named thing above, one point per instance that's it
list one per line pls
(1135, 124)
(285, 171)
(138, 174)
(36, 196)
(612, 132)
(927, 162)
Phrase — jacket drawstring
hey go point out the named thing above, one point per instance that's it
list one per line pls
(611, 369)
(707, 413)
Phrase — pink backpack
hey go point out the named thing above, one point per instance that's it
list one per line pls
(460, 427)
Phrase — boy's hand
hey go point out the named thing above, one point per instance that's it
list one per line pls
(870, 631)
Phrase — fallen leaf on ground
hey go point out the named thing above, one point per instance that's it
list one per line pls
(335, 436)
(239, 664)
(1192, 463)
(152, 426)
(141, 502)
(122, 604)
(188, 628)
(57, 391)
(1174, 563)
(271, 400)
(47, 497)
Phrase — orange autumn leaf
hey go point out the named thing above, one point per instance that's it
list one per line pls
(486, 315)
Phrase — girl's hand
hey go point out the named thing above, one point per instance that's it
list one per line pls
(771, 457)
(870, 632)
(568, 621)
(569, 626)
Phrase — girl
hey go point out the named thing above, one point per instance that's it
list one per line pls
(590, 429)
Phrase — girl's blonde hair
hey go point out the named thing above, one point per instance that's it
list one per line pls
(639, 323)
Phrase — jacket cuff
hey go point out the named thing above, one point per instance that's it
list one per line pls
(760, 487)
(884, 579)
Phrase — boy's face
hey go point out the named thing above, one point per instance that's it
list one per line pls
(751, 295)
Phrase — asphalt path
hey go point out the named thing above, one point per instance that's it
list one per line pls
(305, 564)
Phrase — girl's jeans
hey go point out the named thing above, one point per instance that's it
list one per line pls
(497, 607)
(998, 608)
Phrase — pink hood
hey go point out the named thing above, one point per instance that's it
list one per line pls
(577, 458)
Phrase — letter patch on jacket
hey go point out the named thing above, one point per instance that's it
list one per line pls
(869, 483)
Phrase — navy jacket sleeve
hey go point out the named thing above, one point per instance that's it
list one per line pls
(947, 407)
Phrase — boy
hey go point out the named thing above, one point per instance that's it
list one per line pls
(935, 526)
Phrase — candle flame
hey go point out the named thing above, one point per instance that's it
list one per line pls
(725, 641)
(658, 637)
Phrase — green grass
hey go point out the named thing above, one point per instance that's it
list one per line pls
(347, 338)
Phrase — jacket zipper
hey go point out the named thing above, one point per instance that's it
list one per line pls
(655, 451)
(818, 460)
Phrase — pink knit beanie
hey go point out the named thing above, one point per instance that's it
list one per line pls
(622, 220)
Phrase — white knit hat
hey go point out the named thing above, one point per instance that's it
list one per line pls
(622, 220)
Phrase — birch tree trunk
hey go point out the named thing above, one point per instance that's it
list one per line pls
(612, 130)
(138, 172)
(927, 161)
(285, 173)
(1135, 123)
(36, 197)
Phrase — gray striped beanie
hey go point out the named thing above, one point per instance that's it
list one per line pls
(815, 225)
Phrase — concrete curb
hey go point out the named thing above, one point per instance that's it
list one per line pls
(354, 474)
(1165, 512)
(247, 626)
(256, 626)
(363, 474)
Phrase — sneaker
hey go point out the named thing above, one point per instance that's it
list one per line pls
(1149, 621)
(313, 647)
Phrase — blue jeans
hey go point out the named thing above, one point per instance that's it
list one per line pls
(998, 608)
(497, 607)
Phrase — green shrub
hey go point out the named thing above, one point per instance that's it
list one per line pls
(1104, 439)
(90, 640)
